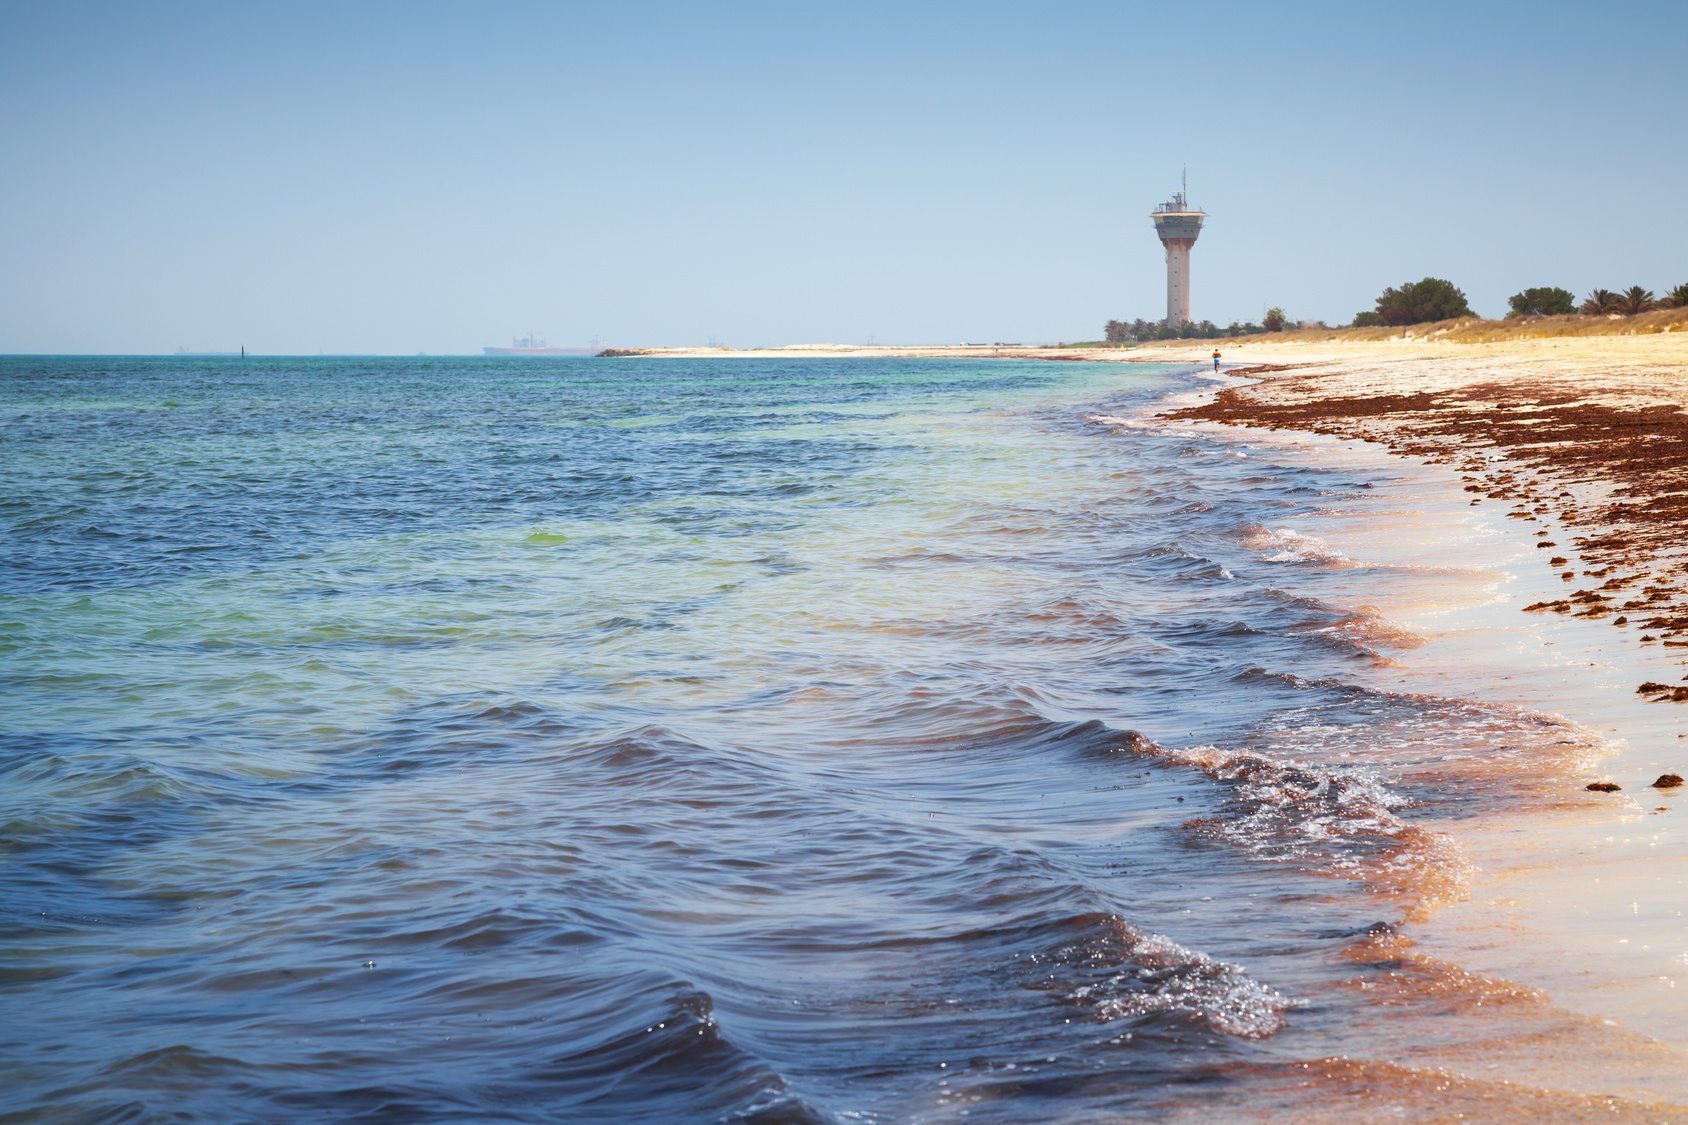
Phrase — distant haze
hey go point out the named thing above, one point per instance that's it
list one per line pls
(398, 178)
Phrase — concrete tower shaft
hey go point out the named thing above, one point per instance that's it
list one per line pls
(1178, 226)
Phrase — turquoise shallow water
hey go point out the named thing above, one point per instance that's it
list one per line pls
(407, 740)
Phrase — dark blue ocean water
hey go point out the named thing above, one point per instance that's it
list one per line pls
(661, 740)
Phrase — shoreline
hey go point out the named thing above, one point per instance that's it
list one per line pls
(1586, 443)
(1583, 450)
(1591, 430)
(1437, 336)
(1579, 444)
(1602, 418)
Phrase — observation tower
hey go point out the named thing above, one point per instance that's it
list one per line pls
(1178, 224)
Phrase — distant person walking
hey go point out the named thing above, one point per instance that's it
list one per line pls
(1216, 361)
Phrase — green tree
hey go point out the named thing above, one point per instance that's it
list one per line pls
(1542, 302)
(1635, 300)
(1367, 319)
(1416, 302)
(1677, 298)
(1274, 320)
(1601, 302)
(1117, 332)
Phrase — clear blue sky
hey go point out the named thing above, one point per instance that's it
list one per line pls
(434, 177)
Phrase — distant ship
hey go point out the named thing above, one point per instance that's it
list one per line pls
(532, 345)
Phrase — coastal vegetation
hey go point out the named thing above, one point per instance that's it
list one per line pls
(1416, 302)
(1473, 330)
(1635, 300)
(1601, 302)
(1141, 331)
(1436, 308)
(1434, 300)
(1550, 301)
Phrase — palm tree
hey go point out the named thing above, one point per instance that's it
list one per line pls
(1601, 302)
(1636, 301)
(1677, 298)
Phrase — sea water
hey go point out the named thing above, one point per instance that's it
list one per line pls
(708, 740)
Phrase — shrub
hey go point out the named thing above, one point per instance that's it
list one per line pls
(1542, 302)
(1274, 320)
(1418, 301)
(1367, 319)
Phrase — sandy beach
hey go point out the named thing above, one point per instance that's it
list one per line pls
(1582, 443)
(1588, 431)
(1576, 911)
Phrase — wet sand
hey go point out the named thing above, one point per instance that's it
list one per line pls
(1589, 430)
(1578, 907)
(1547, 952)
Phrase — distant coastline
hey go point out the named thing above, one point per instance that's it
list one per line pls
(539, 351)
(1463, 330)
